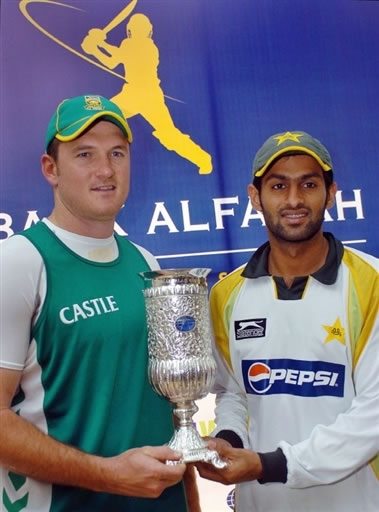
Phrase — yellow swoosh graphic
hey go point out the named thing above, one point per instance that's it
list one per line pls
(141, 93)
(23, 8)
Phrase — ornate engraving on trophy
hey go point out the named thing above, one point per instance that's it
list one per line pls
(181, 365)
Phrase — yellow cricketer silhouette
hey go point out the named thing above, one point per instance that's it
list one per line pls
(141, 93)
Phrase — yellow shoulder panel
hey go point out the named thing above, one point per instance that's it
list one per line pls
(375, 466)
(363, 309)
(222, 298)
(363, 301)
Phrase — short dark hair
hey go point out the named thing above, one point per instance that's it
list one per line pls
(52, 149)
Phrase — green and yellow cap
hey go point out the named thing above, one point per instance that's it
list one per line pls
(281, 143)
(74, 115)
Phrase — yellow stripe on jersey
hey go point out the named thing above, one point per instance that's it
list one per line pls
(363, 309)
(306, 287)
(222, 298)
(274, 285)
(363, 301)
(375, 466)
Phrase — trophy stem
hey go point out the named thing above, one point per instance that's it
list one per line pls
(184, 412)
(187, 439)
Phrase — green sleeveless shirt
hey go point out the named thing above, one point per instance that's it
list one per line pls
(91, 347)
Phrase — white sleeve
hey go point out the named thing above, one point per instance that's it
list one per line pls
(21, 271)
(335, 451)
(148, 257)
(231, 403)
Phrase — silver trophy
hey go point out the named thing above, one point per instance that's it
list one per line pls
(181, 365)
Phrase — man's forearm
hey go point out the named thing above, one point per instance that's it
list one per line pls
(26, 450)
(139, 472)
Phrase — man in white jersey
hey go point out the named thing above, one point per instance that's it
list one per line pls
(297, 345)
(81, 428)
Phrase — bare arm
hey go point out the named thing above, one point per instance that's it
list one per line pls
(140, 472)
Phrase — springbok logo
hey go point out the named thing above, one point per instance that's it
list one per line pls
(141, 93)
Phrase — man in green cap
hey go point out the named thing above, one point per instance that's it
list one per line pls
(297, 345)
(81, 428)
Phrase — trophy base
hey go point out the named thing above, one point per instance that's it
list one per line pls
(189, 443)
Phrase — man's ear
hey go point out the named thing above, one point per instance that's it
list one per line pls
(49, 169)
(331, 195)
(254, 195)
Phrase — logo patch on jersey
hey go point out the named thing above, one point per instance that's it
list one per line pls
(293, 377)
(335, 332)
(250, 328)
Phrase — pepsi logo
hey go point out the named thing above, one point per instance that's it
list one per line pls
(293, 377)
(259, 377)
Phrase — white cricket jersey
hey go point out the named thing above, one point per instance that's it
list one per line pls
(302, 374)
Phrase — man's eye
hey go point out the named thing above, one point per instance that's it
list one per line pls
(278, 186)
(117, 153)
(309, 184)
(84, 154)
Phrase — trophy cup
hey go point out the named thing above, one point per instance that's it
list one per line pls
(181, 366)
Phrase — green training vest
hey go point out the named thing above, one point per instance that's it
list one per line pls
(91, 344)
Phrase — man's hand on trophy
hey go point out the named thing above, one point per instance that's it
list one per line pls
(142, 472)
(242, 465)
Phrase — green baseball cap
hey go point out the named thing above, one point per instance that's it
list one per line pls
(281, 143)
(74, 115)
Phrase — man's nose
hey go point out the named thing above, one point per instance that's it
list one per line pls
(294, 196)
(104, 167)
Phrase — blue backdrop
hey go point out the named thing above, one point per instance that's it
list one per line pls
(233, 72)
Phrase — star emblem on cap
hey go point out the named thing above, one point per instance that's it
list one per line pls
(288, 136)
(335, 332)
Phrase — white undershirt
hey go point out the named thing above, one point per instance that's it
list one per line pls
(94, 249)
